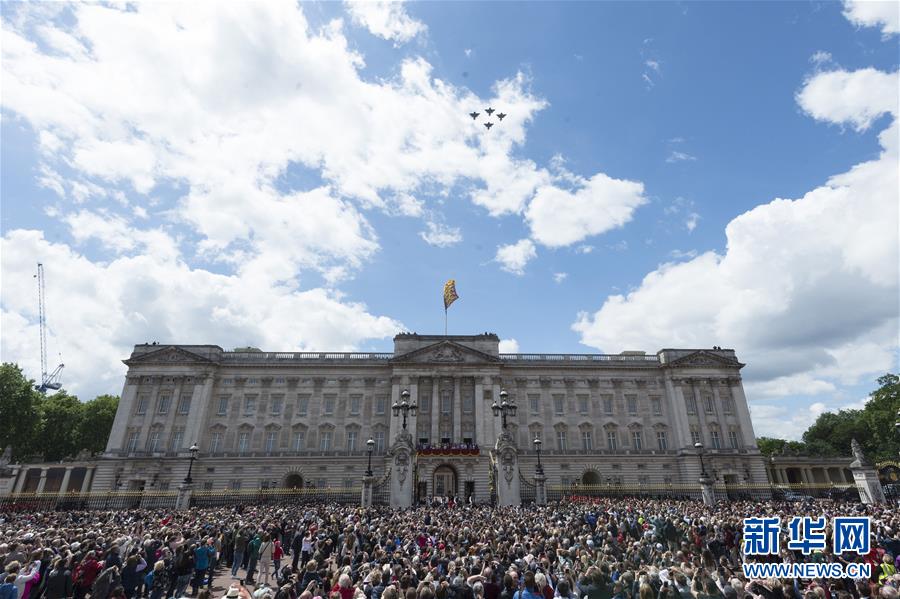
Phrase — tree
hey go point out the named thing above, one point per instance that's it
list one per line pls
(60, 415)
(19, 412)
(831, 433)
(880, 415)
(96, 423)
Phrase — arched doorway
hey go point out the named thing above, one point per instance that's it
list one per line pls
(590, 477)
(293, 481)
(444, 482)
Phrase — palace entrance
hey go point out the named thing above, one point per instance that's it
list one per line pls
(444, 483)
(293, 481)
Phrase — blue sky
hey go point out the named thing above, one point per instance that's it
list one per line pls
(305, 177)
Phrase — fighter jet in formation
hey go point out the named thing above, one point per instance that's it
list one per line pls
(490, 111)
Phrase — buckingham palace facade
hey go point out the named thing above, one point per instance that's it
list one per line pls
(302, 419)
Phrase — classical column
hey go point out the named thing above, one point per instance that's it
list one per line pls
(678, 410)
(742, 410)
(88, 479)
(414, 400)
(457, 411)
(123, 413)
(20, 484)
(435, 410)
(63, 487)
(479, 411)
(43, 480)
(201, 404)
(701, 414)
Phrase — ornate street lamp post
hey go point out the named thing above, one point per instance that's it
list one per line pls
(404, 407)
(370, 445)
(537, 447)
(504, 407)
(699, 447)
(193, 449)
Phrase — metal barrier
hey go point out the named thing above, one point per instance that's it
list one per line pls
(381, 489)
(210, 498)
(527, 490)
(105, 500)
(723, 492)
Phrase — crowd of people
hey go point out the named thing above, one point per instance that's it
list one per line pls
(601, 549)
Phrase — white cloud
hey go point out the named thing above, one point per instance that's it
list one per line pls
(782, 422)
(509, 346)
(559, 217)
(387, 20)
(584, 249)
(468, 52)
(559, 277)
(652, 64)
(514, 257)
(820, 58)
(690, 223)
(787, 291)
(874, 13)
(856, 98)
(676, 156)
(441, 235)
(156, 296)
(680, 255)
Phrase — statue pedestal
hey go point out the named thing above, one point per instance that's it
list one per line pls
(506, 461)
(401, 460)
(366, 499)
(540, 489)
(707, 492)
(867, 483)
(183, 499)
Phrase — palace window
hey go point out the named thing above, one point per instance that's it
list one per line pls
(733, 439)
(243, 443)
(691, 403)
(351, 440)
(380, 404)
(153, 442)
(142, 404)
(235, 485)
(277, 404)
(177, 437)
(582, 404)
(223, 406)
(425, 404)
(355, 404)
(695, 437)
(215, 443)
(249, 405)
(379, 441)
(728, 405)
(184, 404)
(607, 405)
(612, 440)
(637, 440)
(163, 406)
(656, 404)
(662, 441)
(325, 441)
(632, 405)
(468, 404)
(534, 403)
(709, 404)
(587, 440)
(328, 406)
(133, 441)
(445, 402)
(714, 438)
(558, 404)
(302, 405)
(562, 442)
(270, 441)
(299, 441)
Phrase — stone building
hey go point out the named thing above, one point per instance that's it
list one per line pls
(291, 419)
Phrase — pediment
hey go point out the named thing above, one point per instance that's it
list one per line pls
(168, 355)
(445, 352)
(703, 359)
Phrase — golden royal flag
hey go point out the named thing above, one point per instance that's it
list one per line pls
(450, 293)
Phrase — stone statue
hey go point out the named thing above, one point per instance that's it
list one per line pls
(6, 458)
(858, 455)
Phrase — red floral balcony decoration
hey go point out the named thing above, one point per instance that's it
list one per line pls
(452, 449)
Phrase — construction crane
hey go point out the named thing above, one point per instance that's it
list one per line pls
(48, 381)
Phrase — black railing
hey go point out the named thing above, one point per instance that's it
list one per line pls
(108, 500)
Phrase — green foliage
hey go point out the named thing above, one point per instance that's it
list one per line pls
(831, 433)
(52, 427)
(20, 415)
(96, 422)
